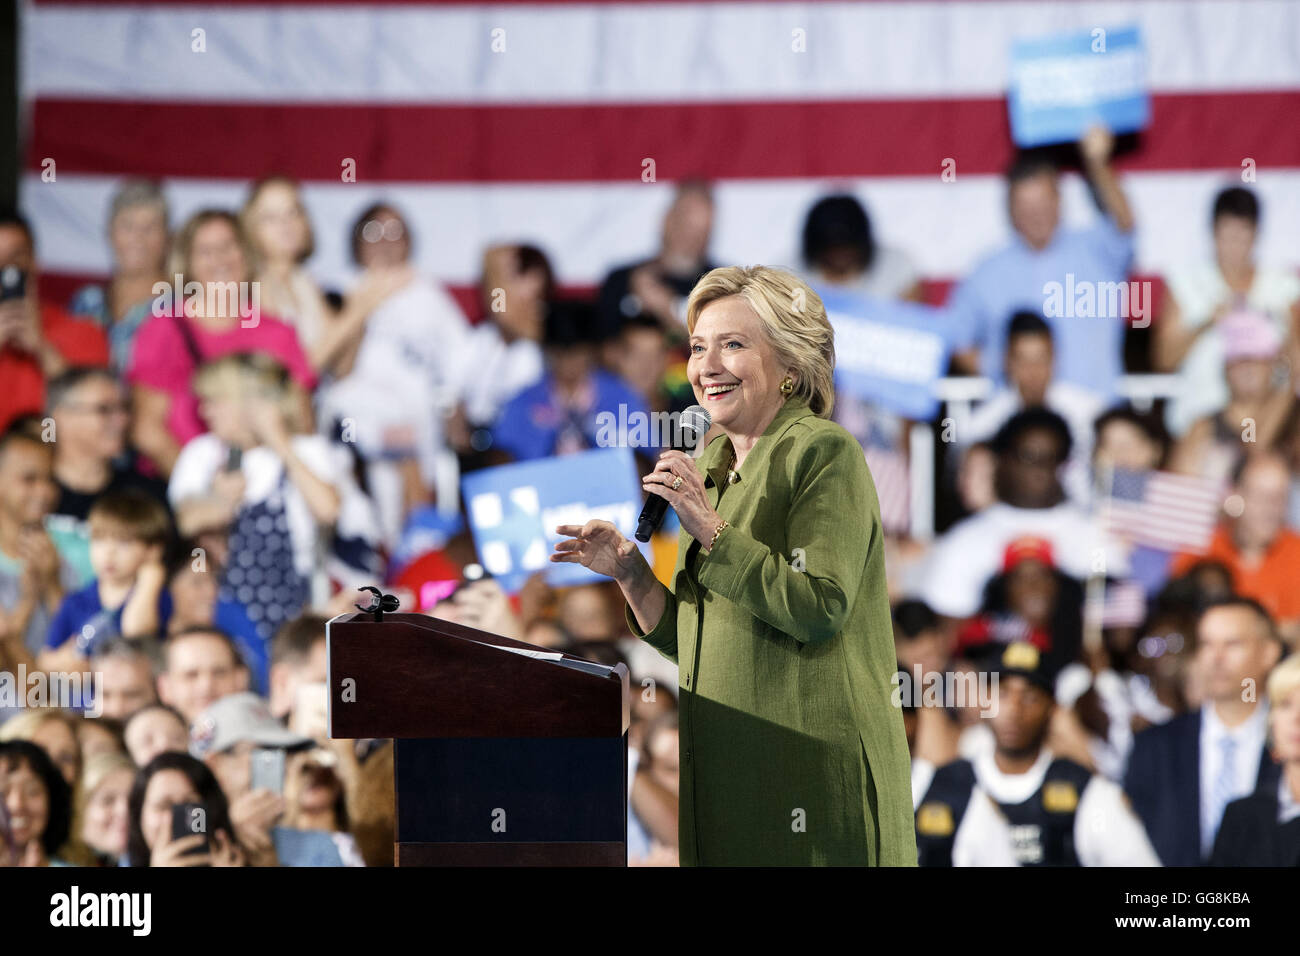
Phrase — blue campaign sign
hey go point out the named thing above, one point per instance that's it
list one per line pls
(514, 509)
(1062, 84)
(888, 352)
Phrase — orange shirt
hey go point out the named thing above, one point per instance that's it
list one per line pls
(1272, 582)
(23, 391)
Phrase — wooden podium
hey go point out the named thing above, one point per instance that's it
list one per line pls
(502, 758)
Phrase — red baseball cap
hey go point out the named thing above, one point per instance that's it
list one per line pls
(1029, 547)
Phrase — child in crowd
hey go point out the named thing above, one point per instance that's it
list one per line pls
(128, 533)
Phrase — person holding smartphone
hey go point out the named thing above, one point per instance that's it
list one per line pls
(207, 838)
(247, 750)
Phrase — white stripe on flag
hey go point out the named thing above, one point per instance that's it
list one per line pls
(624, 52)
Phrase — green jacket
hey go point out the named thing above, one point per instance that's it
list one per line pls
(791, 751)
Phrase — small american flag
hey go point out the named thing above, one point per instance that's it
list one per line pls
(1163, 510)
(889, 471)
(1125, 604)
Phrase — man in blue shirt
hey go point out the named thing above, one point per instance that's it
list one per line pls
(1076, 278)
(567, 410)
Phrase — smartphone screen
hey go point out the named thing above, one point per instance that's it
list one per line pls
(189, 819)
(267, 770)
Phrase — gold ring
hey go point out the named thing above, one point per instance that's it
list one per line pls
(677, 482)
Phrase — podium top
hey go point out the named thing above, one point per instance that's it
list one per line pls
(412, 675)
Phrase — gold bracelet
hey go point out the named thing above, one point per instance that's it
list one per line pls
(714, 540)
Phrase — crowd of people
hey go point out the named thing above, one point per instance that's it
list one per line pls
(192, 484)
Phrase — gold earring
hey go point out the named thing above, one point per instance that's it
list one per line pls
(787, 386)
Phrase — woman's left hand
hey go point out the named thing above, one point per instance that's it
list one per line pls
(689, 500)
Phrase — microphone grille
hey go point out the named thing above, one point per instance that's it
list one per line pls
(695, 422)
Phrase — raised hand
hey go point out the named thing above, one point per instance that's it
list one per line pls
(600, 546)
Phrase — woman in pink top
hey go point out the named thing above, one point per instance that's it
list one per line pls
(219, 313)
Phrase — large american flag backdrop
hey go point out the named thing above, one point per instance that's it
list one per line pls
(534, 121)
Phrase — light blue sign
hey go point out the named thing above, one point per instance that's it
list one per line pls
(514, 509)
(1062, 84)
(888, 352)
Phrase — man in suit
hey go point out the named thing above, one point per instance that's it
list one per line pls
(1182, 774)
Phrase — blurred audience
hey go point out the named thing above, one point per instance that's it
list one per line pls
(311, 443)
(1261, 829)
(1183, 773)
(38, 339)
(1190, 338)
(219, 312)
(138, 223)
(840, 250)
(1088, 348)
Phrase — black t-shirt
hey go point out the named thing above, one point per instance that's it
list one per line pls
(76, 504)
(616, 303)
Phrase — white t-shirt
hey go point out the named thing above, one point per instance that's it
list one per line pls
(951, 579)
(922, 776)
(493, 372)
(1201, 388)
(408, 367)
(1106, 831)
(891, 275)
(204, 456)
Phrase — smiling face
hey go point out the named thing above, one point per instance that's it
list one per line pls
(106, 820)
(92, 419)
(201, 669)
(28, 803)
(154, 732)
(216, 255)
(166, 789)
(27, 491)
(733, 369)
(279, 223)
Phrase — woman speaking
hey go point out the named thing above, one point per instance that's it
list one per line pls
(778, 618)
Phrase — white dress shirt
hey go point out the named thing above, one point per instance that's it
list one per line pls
(1248, 737)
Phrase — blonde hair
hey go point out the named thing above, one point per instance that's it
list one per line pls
(1284, 678)
(251, 375)
(98, 769)
(26, 725)
(246, 216)
(793, 320)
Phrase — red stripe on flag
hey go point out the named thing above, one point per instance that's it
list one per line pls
(609, 142)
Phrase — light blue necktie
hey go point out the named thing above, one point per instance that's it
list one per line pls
(1224, 790)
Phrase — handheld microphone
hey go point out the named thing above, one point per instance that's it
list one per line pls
(693, 425)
